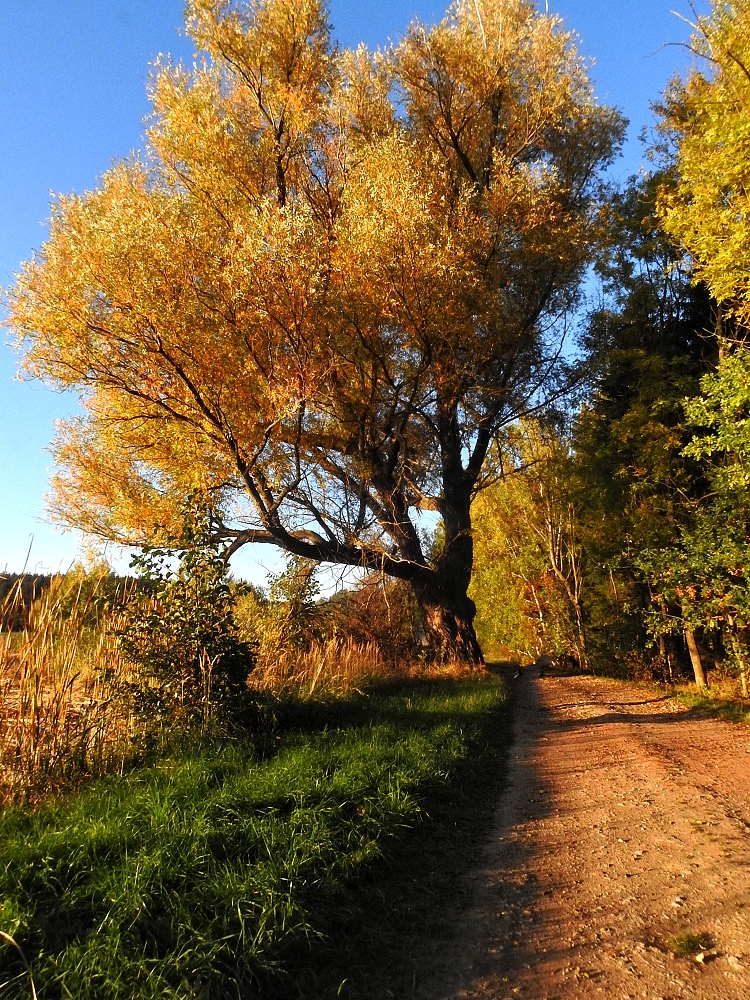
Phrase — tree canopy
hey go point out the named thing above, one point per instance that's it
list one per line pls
(706, 209)
(332, 279)
(660, 451)
(706, 121)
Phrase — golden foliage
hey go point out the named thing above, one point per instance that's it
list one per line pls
(58, 721)
(329, 282)
(707, 119)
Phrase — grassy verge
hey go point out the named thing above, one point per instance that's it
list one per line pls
(298, 869)
(733, 709)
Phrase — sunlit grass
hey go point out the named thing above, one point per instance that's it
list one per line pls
(717, 703)
(226, 868)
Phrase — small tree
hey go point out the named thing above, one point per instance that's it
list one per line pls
(707, 570)
(529, 577)
(288, 618)
(179, 634)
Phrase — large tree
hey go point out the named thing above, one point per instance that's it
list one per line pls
(650, 343)
(334, 277)
(705, 122)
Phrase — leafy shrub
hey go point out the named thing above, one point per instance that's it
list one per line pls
(179, 632)
(289, 619)
(379, 612)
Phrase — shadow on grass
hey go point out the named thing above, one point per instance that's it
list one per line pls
(375, 927)
(162, 841)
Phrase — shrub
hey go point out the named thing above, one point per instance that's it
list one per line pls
(379, 612)
(179, 632)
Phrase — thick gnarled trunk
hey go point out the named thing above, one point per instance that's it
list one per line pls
(447, 611)
(448, 621)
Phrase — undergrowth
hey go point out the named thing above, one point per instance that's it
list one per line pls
(291, 864)
(688, 943)
(733, 709)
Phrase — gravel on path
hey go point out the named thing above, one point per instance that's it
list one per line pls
(623, 831)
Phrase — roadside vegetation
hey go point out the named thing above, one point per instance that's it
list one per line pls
(171, 831)
(249, 864)
(721, 700)
(616, 536)
(58, 659)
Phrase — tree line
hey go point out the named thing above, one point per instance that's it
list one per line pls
(620, 532)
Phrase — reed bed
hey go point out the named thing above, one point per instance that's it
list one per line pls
(58, 721)
(63, 716)
(338, 666)
(331, 667)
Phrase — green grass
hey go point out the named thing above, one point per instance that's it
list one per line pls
(689, 943)
(297, 868)
(726, 708)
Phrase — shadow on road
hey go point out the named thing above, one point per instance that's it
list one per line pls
(485, 933)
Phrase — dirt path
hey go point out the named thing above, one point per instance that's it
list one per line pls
(626, 821)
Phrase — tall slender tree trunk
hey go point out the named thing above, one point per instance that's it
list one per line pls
(583, 650)
(738, 648)
(666, 657)
(695, 659)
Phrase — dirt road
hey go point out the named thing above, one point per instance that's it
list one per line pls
(625, 823)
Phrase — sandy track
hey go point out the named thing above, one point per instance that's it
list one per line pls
(625, 821)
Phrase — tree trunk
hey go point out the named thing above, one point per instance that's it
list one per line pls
(666, 657)
(583, 652)
(739, 652)
(447, 611)
(448, 621)
(695, 659)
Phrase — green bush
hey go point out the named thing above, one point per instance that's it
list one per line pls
(179, 634)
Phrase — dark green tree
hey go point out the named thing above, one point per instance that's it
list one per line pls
(649, 342)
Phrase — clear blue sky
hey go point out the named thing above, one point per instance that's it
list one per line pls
(72, 98)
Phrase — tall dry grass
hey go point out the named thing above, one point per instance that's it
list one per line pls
(331, 667)
(340, 665)
(58, 720)
(61, 719)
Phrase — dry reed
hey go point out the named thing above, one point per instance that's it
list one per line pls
(58, 722)
(61, 664)
(330, 667)
(340, 665)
